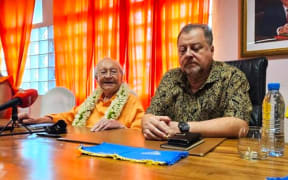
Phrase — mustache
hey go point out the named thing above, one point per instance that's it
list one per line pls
(189, 60)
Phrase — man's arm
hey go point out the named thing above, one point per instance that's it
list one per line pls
(155, 121)
(68, 117)
(218, 127)
(27, 119)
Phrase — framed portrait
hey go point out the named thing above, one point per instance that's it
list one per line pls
(261, 22)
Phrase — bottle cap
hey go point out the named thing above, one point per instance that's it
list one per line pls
(273, 86)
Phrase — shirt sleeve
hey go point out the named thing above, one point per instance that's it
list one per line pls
(238, 100)
(161, 100)
(68, 117)
(132, 113)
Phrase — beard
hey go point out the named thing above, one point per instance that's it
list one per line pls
(191, 67)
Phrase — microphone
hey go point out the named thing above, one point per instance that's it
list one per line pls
(23, 98)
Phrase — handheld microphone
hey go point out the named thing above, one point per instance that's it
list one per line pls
(22, 98)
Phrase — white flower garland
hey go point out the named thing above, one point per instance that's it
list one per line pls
(113, 111)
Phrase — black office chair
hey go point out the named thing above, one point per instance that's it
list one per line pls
(255, 70)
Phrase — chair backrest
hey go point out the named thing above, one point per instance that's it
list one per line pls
(255, 71)
(57, 100)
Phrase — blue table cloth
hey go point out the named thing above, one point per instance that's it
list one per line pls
(277, 178)
(135, 154)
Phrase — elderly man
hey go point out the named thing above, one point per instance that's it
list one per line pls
(111, 106)
(203, 95)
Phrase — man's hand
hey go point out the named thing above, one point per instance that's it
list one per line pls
(25, 118)
(283, 30)
(105, 124)
(173, 128)
(155, 127)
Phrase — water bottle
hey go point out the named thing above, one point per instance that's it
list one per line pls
(273, 109)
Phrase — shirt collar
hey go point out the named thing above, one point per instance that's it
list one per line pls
(214, 74)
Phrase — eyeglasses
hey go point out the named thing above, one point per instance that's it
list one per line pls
(109, 72)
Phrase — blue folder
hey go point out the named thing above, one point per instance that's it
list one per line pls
(135, 154)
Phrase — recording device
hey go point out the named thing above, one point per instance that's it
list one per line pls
(23, 98)
(55, 130)
(58, 128)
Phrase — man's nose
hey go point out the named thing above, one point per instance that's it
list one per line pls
(108, 74)
(189, 52)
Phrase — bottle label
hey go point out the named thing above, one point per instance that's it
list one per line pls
(266, 114)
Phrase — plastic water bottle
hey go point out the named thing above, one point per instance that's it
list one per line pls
(273, 109)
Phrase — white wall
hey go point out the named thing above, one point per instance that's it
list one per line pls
(227, 33)
(278, 72)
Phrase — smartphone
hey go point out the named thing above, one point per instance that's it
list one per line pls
(49, 135)
(184, 139)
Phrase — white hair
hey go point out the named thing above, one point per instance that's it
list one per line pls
(109, 59)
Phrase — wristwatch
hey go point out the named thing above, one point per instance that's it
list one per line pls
(183, 127)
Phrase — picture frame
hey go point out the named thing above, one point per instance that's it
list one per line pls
(254, 40)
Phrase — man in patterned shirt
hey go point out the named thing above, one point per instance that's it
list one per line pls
(203, 95)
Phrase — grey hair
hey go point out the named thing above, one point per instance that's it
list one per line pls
(207, 31)
(105, 59)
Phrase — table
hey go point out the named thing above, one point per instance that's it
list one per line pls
(32, 157)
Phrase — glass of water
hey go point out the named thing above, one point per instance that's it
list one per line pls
(250, 143)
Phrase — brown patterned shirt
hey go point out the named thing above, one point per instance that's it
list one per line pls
(224, 94)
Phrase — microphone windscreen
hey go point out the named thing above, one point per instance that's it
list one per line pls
(27, 97)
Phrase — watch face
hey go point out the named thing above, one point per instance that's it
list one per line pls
(183, 126)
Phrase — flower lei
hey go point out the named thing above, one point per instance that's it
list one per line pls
(113, 111)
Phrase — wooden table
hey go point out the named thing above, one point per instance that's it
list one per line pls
(31, 157)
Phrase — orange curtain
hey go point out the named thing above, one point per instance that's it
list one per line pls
(0, 55)
(106, 29)
(74, 44)
(15, 28)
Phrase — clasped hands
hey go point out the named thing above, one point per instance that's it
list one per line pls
(158, 127)
(283, 30)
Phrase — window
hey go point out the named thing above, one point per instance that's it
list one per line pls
(38, 13)
(40, 67)
(39, 70)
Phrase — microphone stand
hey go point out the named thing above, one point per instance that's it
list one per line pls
(14, 123)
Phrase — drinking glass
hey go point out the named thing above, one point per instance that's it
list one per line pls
(251, 146)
